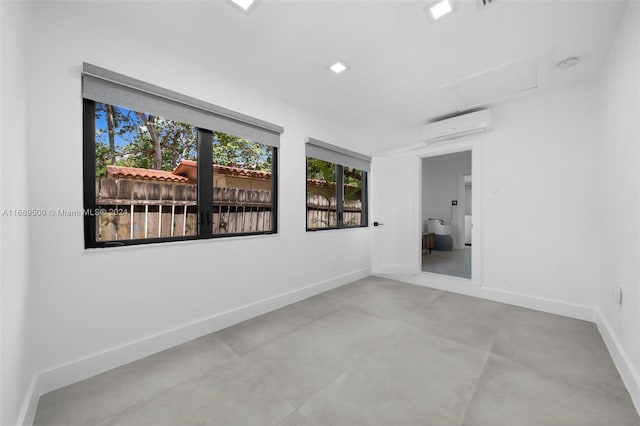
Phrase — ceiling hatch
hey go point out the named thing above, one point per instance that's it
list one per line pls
(499, 83)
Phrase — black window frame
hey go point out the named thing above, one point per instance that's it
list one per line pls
(205, 205)
(342, 158)
(364, 219)
(364, 195)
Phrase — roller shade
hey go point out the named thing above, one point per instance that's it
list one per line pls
(102, 85)
(334, 154)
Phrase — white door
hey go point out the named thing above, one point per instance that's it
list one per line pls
(394, 205)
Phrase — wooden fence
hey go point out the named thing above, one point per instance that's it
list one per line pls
(321, 212)
(136, 209)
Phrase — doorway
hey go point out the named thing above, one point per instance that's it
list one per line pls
(447, 216)
(397, 207)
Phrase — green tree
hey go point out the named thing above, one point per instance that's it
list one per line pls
(135, 139)
(238, 152)
(119, 125)
(321, 170)
(103, 158)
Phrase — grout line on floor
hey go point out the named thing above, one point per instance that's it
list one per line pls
(374, 347)
(475, 388)
(286, 332)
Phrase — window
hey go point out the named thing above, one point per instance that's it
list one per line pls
(242, 185)
(336, 187)
(322, 194)
(160, 166)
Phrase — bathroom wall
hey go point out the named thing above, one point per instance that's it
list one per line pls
(468, 205)
(440, 185)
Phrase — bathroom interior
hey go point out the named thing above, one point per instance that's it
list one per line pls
(447, 214)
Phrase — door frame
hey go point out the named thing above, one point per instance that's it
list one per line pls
(475, 146)
(463, 195)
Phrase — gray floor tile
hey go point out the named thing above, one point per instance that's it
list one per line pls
(260, 330)
(510, 393)
(389, 299)
(412, 378)
(303, 362)
(466, 319)
(356, 290)
(456, 263)
(233, 394)
(567, 347)
(115, 390)
(374, 352)
(296, 419)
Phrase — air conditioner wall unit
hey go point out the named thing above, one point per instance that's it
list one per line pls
(458, 127)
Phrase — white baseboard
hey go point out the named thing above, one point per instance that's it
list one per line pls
(80, 369)
(462, 286)
(630, 376)
(28, 410)
(391, 268)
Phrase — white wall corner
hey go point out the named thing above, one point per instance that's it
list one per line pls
(30, 404)
(630, 376)
(464, 286)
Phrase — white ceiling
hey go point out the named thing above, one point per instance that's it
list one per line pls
(401, 63)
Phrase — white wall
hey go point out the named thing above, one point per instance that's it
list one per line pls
(15, 293)
(540, 228)
(92, 301)
(619, 170)
(539, 203)
(468, 203)
(440, 185)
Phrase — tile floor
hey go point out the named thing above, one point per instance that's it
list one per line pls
(374, 352)
(456, 263)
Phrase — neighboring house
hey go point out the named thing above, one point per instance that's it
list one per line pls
(223, 176)
(123, 172)
(186, 173)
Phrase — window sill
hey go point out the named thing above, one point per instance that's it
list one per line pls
(175, 244)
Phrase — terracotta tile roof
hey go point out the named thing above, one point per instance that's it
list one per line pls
(235, 171)
(146, 174)
(181, 172)
(182, 169)
(320, 182)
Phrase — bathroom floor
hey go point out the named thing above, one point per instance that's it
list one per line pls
(455, 262)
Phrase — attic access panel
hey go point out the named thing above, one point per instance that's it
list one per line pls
(499, 83)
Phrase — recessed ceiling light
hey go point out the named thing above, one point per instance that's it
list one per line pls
(439, 9)
(244, 4)
(567, 63)
(339, 67)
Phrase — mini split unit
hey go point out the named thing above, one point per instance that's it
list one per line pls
(458, 127)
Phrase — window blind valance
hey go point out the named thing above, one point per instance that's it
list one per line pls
(334, 154)
(102, 85)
